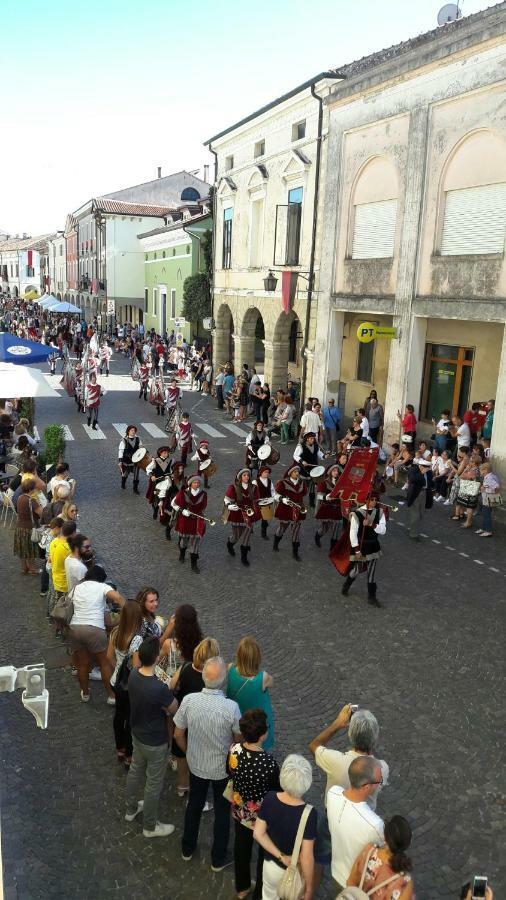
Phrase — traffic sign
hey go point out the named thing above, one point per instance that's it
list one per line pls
(179, 322)
(111, 307)
(367, 332)
(179, 338)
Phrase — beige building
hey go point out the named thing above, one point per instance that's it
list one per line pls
(414, 227)
(266, 205)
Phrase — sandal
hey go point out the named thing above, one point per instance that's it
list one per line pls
(182, 791)
(455, 518)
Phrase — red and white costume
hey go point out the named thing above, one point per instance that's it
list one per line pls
(242, 511)
(184, 439)
(264, 491)
(189, 504)
(92, 396)
(290, 511)
(328, 511)
(105, 354)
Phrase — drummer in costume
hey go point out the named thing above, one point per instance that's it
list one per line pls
(190, 504)
(366, 523)
(127, 447)
(290, 511)
(92, 397)
(242, 512)
(157, 470)
(308, 454)
(144, 379)
(328, 510)
(206, 467)
(166, 496)
(257, 438)
(105, 354)
(265, 493)
(184, 436)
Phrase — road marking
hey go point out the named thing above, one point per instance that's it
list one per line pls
(464, 554)
(153, 429)
(479, 562)
(435, 542)
(67, 433)
(208, 429)
(120, 428)
(423, 535)
(235, 429)
(495, 570)
(96, 434)
(401, 524)
(449, 548)
(36, 433)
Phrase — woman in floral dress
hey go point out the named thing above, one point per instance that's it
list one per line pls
(253, 773)
(384, 871)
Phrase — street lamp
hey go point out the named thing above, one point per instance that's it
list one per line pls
(270, 283)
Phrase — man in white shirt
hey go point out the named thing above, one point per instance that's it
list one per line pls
(310, 421)
(461, 431)
(352, 823)
(364, 422)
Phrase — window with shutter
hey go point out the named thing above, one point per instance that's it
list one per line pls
(374, 230)
(474, 221)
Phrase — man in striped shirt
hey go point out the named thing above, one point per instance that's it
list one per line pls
(212, 722)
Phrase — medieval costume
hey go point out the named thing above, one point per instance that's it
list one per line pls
(206, 467)
(166, 496)
(184, 437)
(257, 438)
(157, 470)
(242, 511)
(265, 496)
(128, 446)
(92, 396)
(290, 511)
(328, 510)
(190, 504)
(366, 523)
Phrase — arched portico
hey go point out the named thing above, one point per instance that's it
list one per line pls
(224, 338)
(250, 339)
(283, 351)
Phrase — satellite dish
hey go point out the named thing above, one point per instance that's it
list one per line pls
(450, 12)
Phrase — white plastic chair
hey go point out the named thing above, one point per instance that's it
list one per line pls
(8, 507)
(11, 470)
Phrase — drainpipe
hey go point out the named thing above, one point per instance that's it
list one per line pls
(214, 240)
(313, 237)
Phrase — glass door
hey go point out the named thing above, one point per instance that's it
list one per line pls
(447, 380)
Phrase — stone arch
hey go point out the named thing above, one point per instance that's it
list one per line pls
(284, 352)
(58, 296)
(224, 343)
(15, 292)
(251, 337)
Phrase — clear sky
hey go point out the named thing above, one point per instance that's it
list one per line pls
(95, 95)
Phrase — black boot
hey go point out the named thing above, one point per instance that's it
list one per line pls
(136, 487)
(295, 550)
(182, 553)
(244, 556)
(155, 512)
(123, 482)
(277, 541)
(371, 590)
(193, 558)
(89, 421)
(230, 547)
(94, 426)
(317, 540)
(167, 532)
(264, 527)
(346, 586)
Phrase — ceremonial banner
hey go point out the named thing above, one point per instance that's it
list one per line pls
(288, 288)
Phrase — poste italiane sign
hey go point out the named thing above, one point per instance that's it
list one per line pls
(367, 332)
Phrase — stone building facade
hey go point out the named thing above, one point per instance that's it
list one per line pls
(414, 227)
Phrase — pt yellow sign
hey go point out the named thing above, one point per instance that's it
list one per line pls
(367, 332)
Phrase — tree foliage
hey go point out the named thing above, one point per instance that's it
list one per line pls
(196, 298)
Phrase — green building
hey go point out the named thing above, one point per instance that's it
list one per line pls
(171, 254)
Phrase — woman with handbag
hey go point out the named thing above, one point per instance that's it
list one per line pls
(28, 512)
(124, 643)
(468, 491)
(253, 773)
(490, 497)
(382, 872)
(286, 830)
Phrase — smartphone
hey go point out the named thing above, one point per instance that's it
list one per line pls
(479, 887)
(354, 707)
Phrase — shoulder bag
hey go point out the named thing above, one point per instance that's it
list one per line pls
(358, 892)
(292, 885)
(36, 533)
(491, 499)
(63, 609)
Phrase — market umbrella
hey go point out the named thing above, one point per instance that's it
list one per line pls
(31, 295)
(46, 299)
(20, 381)
(63, 307)
(20, 352)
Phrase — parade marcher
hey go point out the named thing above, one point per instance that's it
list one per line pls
(156, 394)
(256, 439)
(307, 455)
(144, 372)
(290, 493)
(241, 512)
(93, 394)
(167, 513)
(184, 436)
(92, 364)
(157, 470)
(105, 354)
(366, 523)
(78, 387)
(127, 447)
(190, 504)
(172, 398)
(265, 491)
(328, 510)
(203, 455)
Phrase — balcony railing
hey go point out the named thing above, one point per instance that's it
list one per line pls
(84, 284)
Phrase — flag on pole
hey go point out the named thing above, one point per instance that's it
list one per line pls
(288, 288)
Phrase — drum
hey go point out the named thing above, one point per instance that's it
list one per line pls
(208, 467)
(267, 508)
(269, 454)
(163, 486)
(141, 458)
(317, 472)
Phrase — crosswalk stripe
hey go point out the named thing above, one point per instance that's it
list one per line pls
(153, 429)
(235, 429)
(67, 433)
(36, 434)
(120, 427)
(95, 434)
(208, 429)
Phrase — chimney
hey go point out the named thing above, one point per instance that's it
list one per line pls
(206, 173)
(159, 172)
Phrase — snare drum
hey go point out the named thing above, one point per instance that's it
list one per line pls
(267, 453)
(317, 472)
(267, 508)
(163, 486)
(208, 467)
(141, 458)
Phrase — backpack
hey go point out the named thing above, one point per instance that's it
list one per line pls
(358, 893)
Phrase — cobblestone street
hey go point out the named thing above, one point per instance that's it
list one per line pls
(430, 665)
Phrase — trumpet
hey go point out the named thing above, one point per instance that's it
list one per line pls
(302, 509)
(211, 522)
